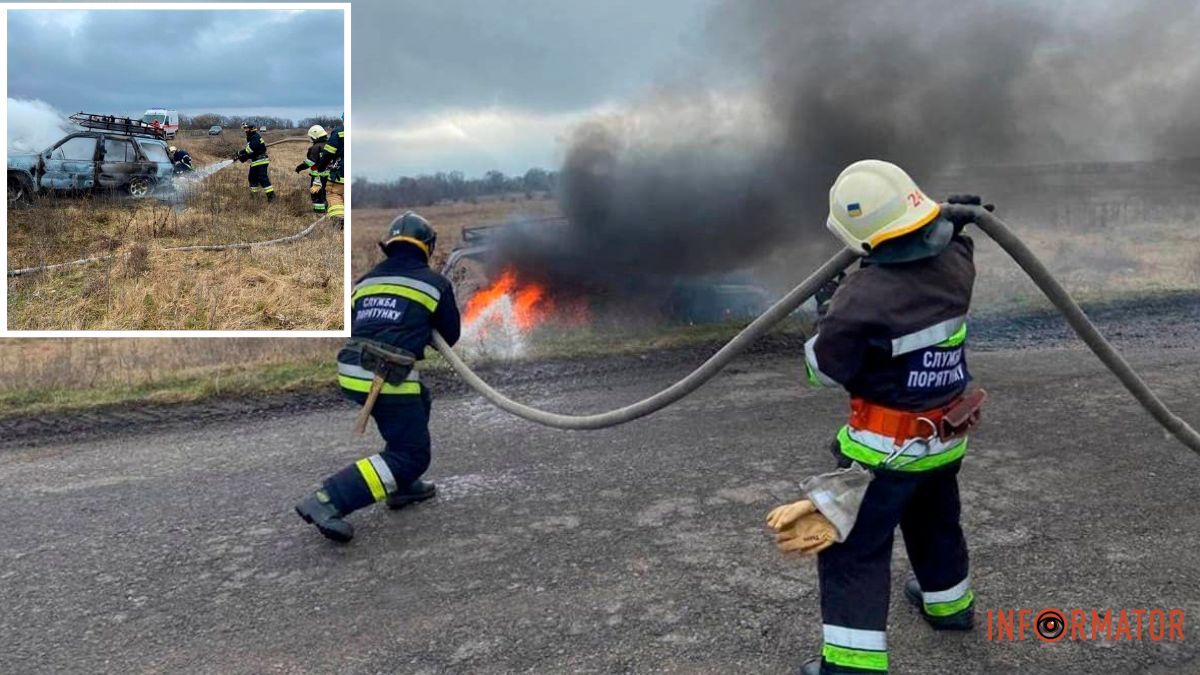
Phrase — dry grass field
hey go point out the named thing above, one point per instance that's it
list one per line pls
(371, 224)
(289, 287)
(65, 373)
(1092, 261)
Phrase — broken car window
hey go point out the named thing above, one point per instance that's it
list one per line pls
(155, 152)
(118, 150)
(78, 148)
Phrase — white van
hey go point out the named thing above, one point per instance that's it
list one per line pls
(169, 119)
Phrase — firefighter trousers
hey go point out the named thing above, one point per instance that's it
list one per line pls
(260, 179)
(855, 575)
(335, 194)
(318, 198)
(403, 421)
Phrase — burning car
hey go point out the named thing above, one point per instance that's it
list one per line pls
(492, 286)
(109, 154)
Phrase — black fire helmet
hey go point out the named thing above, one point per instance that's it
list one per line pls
(410, 228)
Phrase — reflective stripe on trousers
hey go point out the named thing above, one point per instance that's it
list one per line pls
(950, 601)
(855, 648)
(377, 475)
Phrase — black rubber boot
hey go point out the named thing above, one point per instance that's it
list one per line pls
(418, 491)
(319, 511)
(964, 620)
(816, 666)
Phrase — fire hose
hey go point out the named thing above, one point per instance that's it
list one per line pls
(986, 221)
(196, 247)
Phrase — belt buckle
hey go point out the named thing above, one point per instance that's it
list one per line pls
(900, 449)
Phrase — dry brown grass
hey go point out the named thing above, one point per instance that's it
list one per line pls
(66, 363)
(1143, 258)
(293, 286)
(1129, 260)
(448, 219)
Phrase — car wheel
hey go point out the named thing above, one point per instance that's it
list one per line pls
(16, 191)
(140, 187)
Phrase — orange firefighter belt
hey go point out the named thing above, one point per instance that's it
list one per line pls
(951, 421)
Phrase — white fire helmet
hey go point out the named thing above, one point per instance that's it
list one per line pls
(171, 149)
(874, 201)
(316, 131)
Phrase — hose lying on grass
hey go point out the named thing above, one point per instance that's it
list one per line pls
(989, 223)
(199, 247)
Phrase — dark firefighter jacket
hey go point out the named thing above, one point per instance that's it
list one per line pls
(895, 335)
(182, 157)
(399, 303)
(330, 158)
(255, 150)
(314, 153)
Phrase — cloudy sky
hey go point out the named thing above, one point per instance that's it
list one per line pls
(472, 86)
(278, 63)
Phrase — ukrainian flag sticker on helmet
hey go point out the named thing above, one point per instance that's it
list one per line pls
(854, 209)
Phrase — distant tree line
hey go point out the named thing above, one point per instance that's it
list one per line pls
(235, 121)
(425, 190)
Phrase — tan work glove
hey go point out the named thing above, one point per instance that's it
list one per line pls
(800, 528)
(315, 188)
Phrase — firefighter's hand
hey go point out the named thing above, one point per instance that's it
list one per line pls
(800, 528)
(970, 200)
(825, 293)
(966, 200)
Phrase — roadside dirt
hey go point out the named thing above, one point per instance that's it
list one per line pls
(1149, 323)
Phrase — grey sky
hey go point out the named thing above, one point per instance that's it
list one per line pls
(280, 63)
(471, 85)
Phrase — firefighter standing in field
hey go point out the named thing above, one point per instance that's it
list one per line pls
(397, 306)
(255, 152)
(331, 161)
(316, 189)
(894, 337)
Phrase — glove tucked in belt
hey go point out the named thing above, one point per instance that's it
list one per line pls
(826, 515)
(800, 528)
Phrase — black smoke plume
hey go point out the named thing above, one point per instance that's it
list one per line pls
(732, 164)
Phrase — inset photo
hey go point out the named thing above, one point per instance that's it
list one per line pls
(177, 170)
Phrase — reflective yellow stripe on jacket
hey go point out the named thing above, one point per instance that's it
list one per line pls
(416, 290)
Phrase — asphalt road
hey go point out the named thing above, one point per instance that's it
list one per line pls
(639, 548)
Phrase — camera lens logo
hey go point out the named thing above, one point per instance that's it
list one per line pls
(1050, 625)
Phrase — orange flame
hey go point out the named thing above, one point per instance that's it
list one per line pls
(529, 302)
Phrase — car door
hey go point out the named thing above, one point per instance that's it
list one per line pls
(71, 164)
(119, 163)
(155, 154)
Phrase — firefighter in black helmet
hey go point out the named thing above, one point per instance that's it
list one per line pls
(397, 306)
(255, 152)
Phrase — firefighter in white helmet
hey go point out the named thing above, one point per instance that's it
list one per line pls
(180, 160)
(894, 337)
(316, 190)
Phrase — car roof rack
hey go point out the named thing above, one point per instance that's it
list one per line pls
(124, 125)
